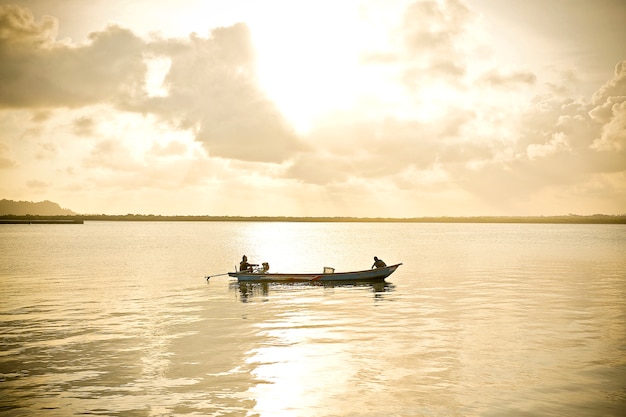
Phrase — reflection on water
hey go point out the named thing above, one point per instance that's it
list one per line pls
(249, 289)
(116, 319)
(310, 341)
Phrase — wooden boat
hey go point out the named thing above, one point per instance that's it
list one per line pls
(329, 274)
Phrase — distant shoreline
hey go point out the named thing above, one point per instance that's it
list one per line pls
(40, 221)
(79, 219)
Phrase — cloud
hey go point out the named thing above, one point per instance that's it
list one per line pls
(19, 28)
(46, 150)
(378, 149)
(615, 87)
(432, 39)
(588, 127)
(41, 116)
(610, 111)
(212, 87)
(496, 78)
(558, 143)
(37, 71)
(113, 166)
(84, 126)
(5, 161)
(552, 148)
(613, 136)
(430, 43)
(430, 120)
(434, 27)
(174, 148)
(565, 144)
(37, 184)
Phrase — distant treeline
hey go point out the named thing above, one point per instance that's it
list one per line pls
(26, 208)
(573, 219)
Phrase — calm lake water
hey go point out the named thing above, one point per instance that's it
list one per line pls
(116, 319)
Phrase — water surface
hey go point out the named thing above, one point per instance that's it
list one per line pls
(116, 319)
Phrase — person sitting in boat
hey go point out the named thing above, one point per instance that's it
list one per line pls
(244, 265)
(266, 267)
(378, 263)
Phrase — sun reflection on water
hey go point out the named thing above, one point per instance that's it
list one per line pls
(301, 361)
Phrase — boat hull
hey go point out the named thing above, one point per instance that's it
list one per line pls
(377, 274)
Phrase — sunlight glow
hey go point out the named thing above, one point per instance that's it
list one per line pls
(308, 59)
(155, 75)
(436, 99)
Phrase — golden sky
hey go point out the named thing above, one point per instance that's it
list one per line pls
(369, 108)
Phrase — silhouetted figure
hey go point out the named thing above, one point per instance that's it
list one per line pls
(378, 263)
(244, 265)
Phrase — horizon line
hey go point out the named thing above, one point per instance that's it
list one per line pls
(567, 218)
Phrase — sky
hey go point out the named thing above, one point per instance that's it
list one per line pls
(361, 108)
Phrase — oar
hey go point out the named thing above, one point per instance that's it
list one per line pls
(218, 275)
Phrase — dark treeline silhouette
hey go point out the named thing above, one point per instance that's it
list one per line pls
(571, 219)
(41, 208)
(50, 212)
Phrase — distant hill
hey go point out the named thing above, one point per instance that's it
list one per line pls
(23, 208)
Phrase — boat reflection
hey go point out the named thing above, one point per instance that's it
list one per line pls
(250, 289)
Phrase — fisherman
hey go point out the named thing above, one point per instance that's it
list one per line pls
(378, 263)
(244, 265)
